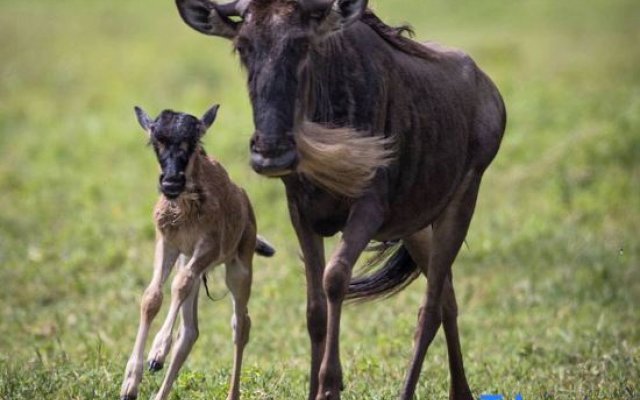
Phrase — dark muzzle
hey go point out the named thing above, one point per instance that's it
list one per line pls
(172, 185)
(273, 156)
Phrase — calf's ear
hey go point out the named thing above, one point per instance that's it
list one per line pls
(143, 119)
(205, 17)
(210, 116)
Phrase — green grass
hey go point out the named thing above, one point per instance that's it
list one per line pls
(548, 287)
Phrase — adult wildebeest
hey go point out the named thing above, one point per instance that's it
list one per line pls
(203, 219)
(373, 135)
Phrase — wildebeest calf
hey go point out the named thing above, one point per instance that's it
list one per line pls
(203, 219)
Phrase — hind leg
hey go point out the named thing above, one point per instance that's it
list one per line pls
(436, 251)
(238, 279)
(459, 389)
(420, 248)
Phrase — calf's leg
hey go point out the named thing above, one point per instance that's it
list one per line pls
(238, 279)
(165, 258)
(162, 342)
(183, 282)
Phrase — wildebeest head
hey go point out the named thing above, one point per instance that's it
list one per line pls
(273, 39)
(175, 136)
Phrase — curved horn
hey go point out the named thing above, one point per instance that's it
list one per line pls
(211, 18)
(233, 9)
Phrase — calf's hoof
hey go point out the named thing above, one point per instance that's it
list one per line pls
(129, 397)
(155, 366)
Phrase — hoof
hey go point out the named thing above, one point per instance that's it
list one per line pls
(155, 366)
(129, 397)
(329, 396)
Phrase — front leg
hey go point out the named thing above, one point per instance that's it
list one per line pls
(365, 219)
(163, 340)
(186, 339)
(187, 276)
(165, 258)
(312, 246)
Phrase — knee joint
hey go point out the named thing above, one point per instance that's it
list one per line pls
(182, 284)
(241, 329)
(151, 301)
(336, 280)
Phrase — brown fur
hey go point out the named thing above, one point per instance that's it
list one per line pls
(341, 160)
(209, 223)
(211, 206)
(335, 63)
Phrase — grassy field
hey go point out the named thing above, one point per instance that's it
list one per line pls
(549, 285)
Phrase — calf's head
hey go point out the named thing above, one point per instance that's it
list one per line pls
(274, 39)
(175, 137)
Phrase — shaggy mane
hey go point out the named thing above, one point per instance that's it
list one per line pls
(341, 160)
(394, 36)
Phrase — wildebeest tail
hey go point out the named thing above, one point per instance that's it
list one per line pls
(391, 274)
(264, 248)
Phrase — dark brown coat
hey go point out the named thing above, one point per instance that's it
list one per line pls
(429, 122)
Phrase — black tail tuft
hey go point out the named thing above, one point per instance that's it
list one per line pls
(263, 248)
(395, 274)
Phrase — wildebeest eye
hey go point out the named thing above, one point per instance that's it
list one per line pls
(317, 15)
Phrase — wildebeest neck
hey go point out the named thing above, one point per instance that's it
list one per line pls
(348, 79)
(420, 97)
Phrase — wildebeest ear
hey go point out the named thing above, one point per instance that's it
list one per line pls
(210, 116)
(206, 17)
(343, 13)
(350, 10)
(143, 119)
